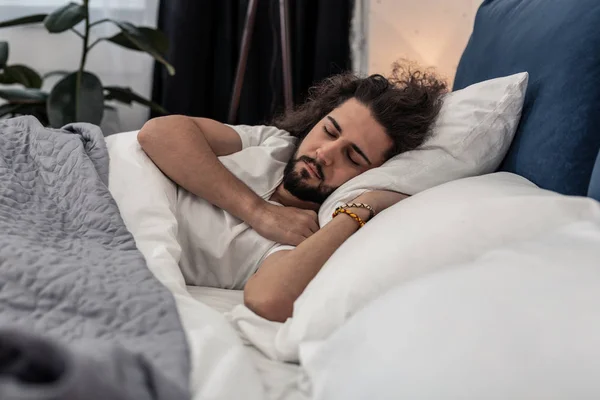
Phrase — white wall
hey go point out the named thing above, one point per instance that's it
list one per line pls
(430, 32)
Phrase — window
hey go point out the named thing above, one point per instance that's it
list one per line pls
(30, 3)
(131, 9)
(58, 3)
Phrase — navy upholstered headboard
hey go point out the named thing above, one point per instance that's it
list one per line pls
(558, 43)
(594, 190)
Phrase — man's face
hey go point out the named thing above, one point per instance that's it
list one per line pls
(344, 144)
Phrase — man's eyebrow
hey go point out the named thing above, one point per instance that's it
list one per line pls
(359, 151)
(355, 147)
(334, 122)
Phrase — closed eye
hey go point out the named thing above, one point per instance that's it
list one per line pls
(351, 160)
(348, 155)
(327, 131)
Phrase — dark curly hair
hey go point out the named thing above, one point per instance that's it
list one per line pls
(406, 104)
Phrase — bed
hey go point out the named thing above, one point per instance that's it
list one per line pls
(513, 231)
(487, 281)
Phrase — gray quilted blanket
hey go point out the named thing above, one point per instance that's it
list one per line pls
(81, 316)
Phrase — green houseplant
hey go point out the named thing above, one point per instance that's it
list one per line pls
(79, 96)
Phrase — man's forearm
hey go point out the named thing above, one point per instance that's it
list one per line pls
(287, 273)
(182, 152)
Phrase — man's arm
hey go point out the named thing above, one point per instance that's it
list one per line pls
(187, 149)
(284, 275)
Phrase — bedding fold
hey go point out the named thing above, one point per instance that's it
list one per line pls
(81, 315)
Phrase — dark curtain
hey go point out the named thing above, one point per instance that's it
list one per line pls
(205, 38)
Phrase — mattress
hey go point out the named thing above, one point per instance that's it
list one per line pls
(282, 381)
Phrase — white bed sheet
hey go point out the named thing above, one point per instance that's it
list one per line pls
(283, 381)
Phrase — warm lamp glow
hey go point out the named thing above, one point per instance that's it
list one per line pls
(432, 33)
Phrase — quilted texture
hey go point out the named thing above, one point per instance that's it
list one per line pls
(557, 42)
(80, 312)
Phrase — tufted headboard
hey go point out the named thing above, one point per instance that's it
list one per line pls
(558, 43)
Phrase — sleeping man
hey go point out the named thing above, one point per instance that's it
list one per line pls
(258, 189)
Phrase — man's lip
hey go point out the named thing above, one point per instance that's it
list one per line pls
(313, 169)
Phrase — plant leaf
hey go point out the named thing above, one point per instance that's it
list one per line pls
(64, 18)
(21, 74)
(8, 108)
(64, 106)
(3, 54)
(133, 34)
(53, 73)
(38, 110)
(126, 95)
(153, 36)
(23, 96)
(31, 19)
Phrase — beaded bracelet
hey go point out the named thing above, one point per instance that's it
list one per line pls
(359, 205)
(339, 210)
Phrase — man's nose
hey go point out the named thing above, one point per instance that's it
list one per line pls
(325, 153)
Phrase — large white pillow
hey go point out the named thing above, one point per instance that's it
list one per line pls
(519, 323)
(471, 136)
(446, 225)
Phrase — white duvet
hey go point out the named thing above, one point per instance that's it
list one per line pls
(520, 322)
(221, 366)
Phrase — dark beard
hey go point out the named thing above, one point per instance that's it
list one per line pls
(295, 182)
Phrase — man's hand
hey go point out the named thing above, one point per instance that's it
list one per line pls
(283, 276)
(285, 225)
(380, 199)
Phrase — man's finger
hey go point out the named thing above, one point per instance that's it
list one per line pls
(312, 221)
(307, 232)
(311, 213)
(313, 226)
(295, 240)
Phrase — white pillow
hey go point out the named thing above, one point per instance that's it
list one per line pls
(519, 323)
(448, 224)
(471, 136)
